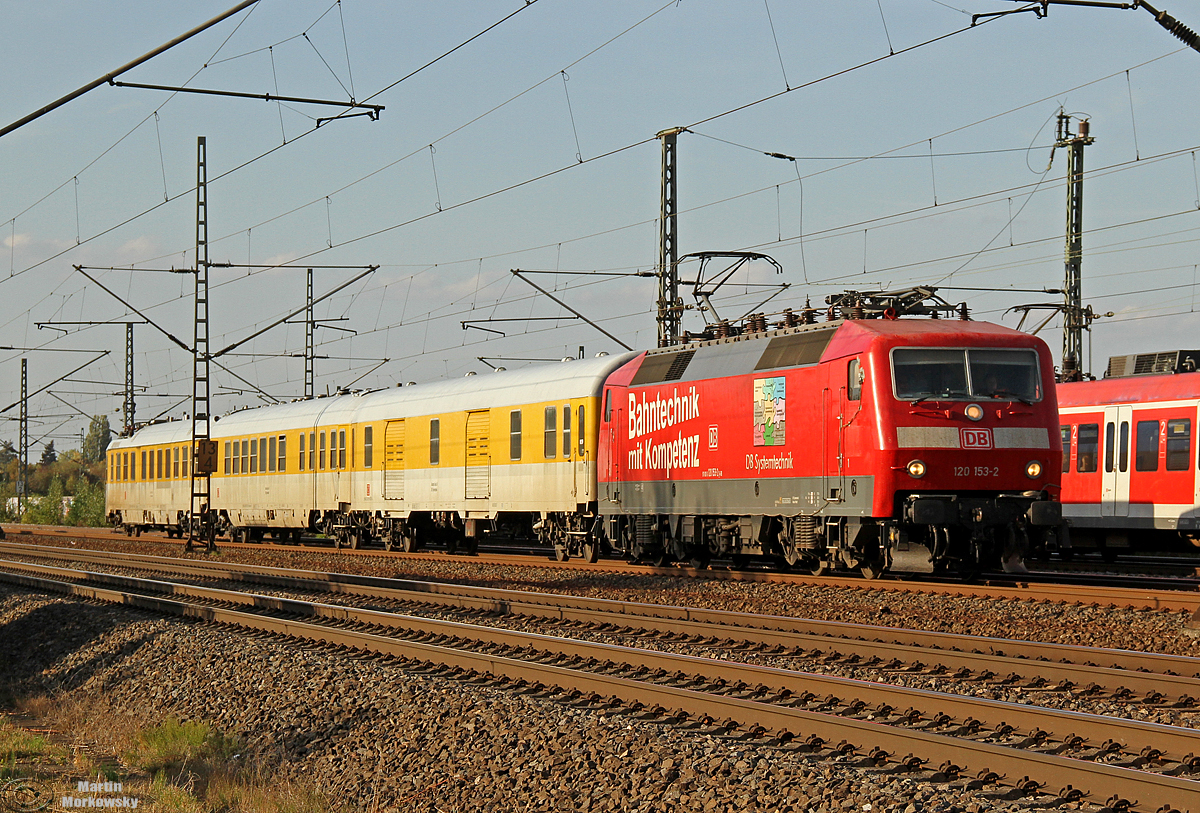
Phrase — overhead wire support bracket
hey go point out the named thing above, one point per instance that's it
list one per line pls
(519, 274)
(1041, 8)
(372, 110)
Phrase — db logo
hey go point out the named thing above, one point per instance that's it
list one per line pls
(976, 438)
(712, 437)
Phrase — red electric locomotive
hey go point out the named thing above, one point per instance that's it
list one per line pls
(868, 442)
(1129, 463)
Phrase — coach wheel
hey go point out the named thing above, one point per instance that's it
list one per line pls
(129, 530)
(357, 539)
(409, 543)
(137, 531)
(241, 536)
(591, 552)
(560, 553)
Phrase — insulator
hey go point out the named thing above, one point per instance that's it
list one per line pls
(856, 312)
(757, 323)
(723, 330)
(964, 313)
(790, 319)
(1185, 34)
(830, 314)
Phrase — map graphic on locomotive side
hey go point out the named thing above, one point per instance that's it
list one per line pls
(769, 408)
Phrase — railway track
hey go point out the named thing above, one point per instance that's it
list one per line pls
(1144, 594)
(1065, 753)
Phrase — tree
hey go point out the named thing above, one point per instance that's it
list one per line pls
(49, 456)
(46, 510)
(95, 443)
(87, 509)
(8, 452)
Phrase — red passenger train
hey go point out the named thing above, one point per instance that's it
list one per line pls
(883, 438)
(871, 443)
(1130, 463)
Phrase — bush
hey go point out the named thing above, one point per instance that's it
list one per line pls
(47, 510)
(87, 509)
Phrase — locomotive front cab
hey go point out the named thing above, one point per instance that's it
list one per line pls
(975, 459)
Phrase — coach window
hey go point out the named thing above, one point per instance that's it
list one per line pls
(566, 433)
(283, 453)
(1088, 446)
(124, 463)
(368, 451)
(854, 380)
(514, 435)
(321, 457)
(1110, 444)
(175, 465)
(254, 455)
(341, 449)
(582, 436)
(1179, 444)
(1147, 446)
(262, 454)
(159, 469)
(237, 457)
(1065, 432)
(185, 461)
(1124, 445)
(245, 456)
(550, 439)
(435, 441)
(301, 452)
(228, 458)
(312, 451)
(271, 449)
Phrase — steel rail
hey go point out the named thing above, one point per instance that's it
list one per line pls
(1030, 659)
(1097, 779)
(1011, 588)
(1005, 669)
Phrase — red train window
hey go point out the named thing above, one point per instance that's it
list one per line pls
(1147, 446)
(1179, 444)
(1124, 445)
(1065, 431)
(1110, 442)
(1088, 446)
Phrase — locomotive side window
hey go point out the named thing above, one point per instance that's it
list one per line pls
(1147, 446)
(1088, 446)
(1110, 444)
(566, 433)
(854, 380)
(368, 440)
(1124, 456)
(582, 437)
(514, 435)
(1179, 444)
(923, 373)
(435, 441)
(1065, 432)
(550, 437)
(607, 407)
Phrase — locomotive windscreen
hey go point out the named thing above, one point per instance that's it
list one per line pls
(969, 373)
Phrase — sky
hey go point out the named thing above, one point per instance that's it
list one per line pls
(522, 136)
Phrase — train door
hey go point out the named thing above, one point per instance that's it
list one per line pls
(833, 410)
(610, 454)
(393, 460)
(338, 461)
(1114, 494)
(584, 474)
(479, 458)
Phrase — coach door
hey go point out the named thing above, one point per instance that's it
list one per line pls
(1114, 494)
(338, 461)
(393, 461)
(479, 458)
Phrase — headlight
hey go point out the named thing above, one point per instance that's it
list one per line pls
(1033, 469)
(916, 468)
(974, 412)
